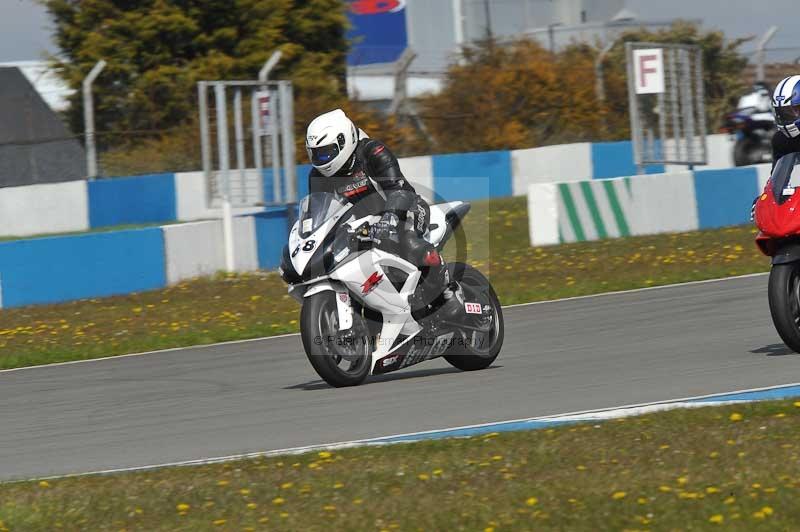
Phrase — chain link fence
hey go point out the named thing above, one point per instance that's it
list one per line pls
(667, 104)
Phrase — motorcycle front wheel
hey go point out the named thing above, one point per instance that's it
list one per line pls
(784, 302)
(340, 358)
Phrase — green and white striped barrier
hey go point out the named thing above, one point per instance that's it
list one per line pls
(610, 208)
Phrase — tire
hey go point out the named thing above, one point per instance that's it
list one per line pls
(466, 357)
(318, 322)
(784, 302)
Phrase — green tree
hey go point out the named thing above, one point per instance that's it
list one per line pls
(518, 95)
(157, 50)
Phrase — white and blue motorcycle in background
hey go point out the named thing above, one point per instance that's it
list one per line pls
(363, 310)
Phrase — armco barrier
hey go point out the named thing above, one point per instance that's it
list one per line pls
(642, 205)
(197, 248)
(47, 208)
(183, 196)
(50, 270)
(470, 176)
(724, 197)
(132, 200)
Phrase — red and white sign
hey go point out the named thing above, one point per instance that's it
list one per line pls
(648, 69)
(264, 107)
(473, 308)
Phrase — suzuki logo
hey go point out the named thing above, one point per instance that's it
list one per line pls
(371, 282)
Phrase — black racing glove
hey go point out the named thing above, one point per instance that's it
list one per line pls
(385, 231)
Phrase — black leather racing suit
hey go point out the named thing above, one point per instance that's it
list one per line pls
(783, 145)
(372, 180)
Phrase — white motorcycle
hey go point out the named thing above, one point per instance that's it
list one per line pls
(363, 309)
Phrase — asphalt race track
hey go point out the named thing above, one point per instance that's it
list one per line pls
(263, 395)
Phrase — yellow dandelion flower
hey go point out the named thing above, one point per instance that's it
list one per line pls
(223, 482)
(284, 514)
(44, 484)
(220, 522)
(729, 500)
(263, 520)
(736, 416)
(712, 489)
(251, 506)
(531, 501)
(717, 519)
(358, 501)
(338, 485)
(437, 472)
(759, 515)
(617, 495)
(682, 480)
(244, 491)
(713, 454)
(497, 457)
(797, 404)
(581, 468)
(324, 454)
(329, 508)
(183, 507)
(423, 476)
(641, 500)
(665, 489)
(278, 501)
(286, 485)
(766, 510)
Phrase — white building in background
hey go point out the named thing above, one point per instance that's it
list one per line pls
(45, 80)
(436, 29)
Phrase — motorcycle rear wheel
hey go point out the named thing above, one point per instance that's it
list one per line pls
(784, 302)
(464, 356)
(340, 360)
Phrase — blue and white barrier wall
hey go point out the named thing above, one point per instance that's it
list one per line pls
(64, 268)
(169, 197)
(642, 205)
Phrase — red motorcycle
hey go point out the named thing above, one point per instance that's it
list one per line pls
(777, 214)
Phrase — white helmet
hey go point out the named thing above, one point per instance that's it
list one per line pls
(331, 139)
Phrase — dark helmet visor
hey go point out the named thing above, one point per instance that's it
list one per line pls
(322, 155)
(787, 115)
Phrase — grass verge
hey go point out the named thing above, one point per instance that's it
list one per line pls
(738, 468)
(249, 306)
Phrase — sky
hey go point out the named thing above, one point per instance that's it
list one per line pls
(25, 33)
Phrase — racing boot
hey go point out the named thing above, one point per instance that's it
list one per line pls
(437, 280)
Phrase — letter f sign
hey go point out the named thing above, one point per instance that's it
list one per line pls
(649, 71)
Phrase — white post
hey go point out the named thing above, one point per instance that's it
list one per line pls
(263, 74)
(458, 22)
(224, 174)
(600, 87)
(88, 119)
(762, 43)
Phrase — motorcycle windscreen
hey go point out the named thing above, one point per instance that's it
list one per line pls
(776, 214)
(317, 208)
(781, 176)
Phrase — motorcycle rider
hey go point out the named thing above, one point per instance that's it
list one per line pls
(347, 162)
(786, 107)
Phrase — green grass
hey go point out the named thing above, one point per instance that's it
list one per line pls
(254, 305)
(738, 468)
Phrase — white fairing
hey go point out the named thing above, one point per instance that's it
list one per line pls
(439, 222)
